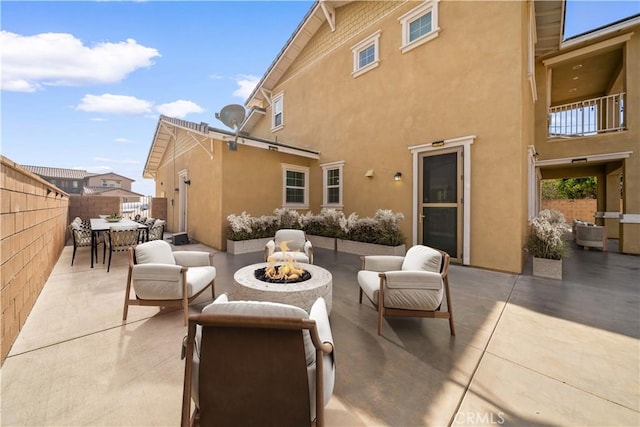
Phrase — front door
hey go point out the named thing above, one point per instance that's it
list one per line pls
(440, 207)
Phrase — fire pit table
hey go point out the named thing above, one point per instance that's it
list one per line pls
(301, 294)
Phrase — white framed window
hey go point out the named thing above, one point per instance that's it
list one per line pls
(277, 108)
(419, 25)
(332, 184)
(295, 186)
(366, 54)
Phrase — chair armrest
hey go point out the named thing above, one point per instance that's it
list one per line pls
(270, 247)
(382, 262)
(153, 271)
(412, 280)
(319, 314)
(308, 249)
(192, 258)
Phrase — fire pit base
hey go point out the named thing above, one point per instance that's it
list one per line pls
(301, 294)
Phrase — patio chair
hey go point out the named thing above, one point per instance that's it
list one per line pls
(298, 247)
(82, 239)
(164, 278)
(120, 239)
(409, 286)
(258, 363)
(156, 232)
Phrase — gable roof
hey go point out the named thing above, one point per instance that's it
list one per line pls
(164, 133)
(322, 11)
(95, 175)
(100, 190)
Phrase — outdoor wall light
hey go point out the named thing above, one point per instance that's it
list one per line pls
(187, 181)
(369, 173)
(398, 176)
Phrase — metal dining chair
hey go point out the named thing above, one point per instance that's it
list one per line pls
(120, 239)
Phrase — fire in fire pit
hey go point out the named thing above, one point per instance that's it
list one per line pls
(288, 271)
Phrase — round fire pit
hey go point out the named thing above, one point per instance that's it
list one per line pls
(301, 294)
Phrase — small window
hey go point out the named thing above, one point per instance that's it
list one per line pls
(332, 184)
(75, 184)
(295, 186)
(419, 25)
(366, 54)
(278, 116)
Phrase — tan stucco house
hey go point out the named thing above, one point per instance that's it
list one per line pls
(449, 112)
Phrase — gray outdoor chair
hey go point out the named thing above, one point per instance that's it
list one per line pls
(258, 363)
(298, 247)
(409, 286)
(161, 277)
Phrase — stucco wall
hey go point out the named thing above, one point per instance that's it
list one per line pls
(87, 207)
(455, 85)
(32, 232)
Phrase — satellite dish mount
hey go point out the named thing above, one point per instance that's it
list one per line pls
(232, 116)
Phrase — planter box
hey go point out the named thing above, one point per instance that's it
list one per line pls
(246, 246)
(550, 268)
(322, 242)
(359, 248)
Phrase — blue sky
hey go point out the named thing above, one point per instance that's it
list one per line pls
(83, 83)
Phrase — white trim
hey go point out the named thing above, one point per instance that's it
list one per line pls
(532, 183)
(414, 14)
(585, 159)
(295, 168)
(183, 175)
(608, 215)
(531, 60)
(325, 168)
(372, 40)
(465, 142)
(274, 101)
(603, 32)
(250, 142)
(630, 219)
(587, 49)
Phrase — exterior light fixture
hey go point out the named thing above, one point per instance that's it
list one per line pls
(369, 173)
(187, 181)
(398, 176)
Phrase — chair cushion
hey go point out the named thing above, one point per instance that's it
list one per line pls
(369, 281)
(283, 256)
(171, 289)
(295, 239)
(413, 299)
(156, 251)
(265, 309)
(422, 258)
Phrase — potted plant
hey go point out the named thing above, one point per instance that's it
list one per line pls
(546, 243)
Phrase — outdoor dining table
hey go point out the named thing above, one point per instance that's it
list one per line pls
(100, 224)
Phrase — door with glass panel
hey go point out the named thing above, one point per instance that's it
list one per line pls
(440, 203)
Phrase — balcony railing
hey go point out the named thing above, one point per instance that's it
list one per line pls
(588, 117)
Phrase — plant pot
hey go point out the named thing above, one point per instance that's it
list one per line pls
(360, 248)
(550, 268)
(237, 247)
(322, 242)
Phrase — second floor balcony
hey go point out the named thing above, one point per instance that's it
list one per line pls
(588, 117)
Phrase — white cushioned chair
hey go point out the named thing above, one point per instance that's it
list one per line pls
(298, 247)
(258, 363)
(161, 277)
(409, 286)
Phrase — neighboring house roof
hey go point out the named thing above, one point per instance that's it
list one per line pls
(57, 173)
(167, 126)
(96, 175)
(104, 190)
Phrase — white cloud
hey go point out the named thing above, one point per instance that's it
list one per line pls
(122, 162)
(123, 140)
(114, 104)
(246, 84)
(216, 76)
(179, 108)
(98, 119)
(30, 63)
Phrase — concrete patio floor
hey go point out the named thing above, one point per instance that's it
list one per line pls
(528, 351)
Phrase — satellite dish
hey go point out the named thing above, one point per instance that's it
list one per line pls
(232, 116)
